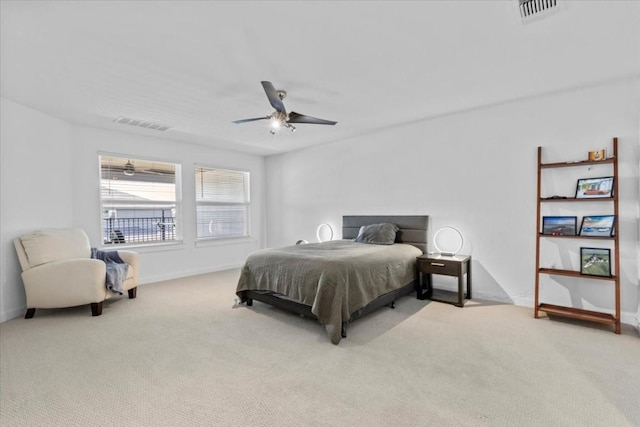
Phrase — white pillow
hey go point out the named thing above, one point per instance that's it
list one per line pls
(46, 246)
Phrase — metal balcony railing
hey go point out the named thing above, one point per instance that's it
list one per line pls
(139, 230)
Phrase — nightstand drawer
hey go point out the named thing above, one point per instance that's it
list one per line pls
(439, 267)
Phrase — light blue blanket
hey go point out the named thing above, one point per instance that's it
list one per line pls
(117, 269)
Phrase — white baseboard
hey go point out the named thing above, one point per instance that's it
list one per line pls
(626, 317)
(629, 318)
(185, 273)
(12, 314)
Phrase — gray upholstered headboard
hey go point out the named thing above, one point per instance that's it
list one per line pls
(414, 229)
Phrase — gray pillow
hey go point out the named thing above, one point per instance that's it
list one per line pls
(378, 234)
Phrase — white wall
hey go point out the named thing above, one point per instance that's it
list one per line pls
(638, 220)
(50, 178)
(36, 191)
(475, 171)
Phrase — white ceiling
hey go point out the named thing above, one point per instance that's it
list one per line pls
(197, 65)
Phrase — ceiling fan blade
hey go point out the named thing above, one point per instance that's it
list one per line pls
(301, 118)
(250, 120)
(274, 99)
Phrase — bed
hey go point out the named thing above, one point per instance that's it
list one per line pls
(338, 281)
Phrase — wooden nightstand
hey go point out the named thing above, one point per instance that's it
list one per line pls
(457, 266)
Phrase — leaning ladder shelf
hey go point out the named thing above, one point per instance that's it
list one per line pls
(572, 312)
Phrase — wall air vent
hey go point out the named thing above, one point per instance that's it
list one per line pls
(532, 9)
(142, 124)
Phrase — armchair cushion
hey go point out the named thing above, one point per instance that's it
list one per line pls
(46, 246)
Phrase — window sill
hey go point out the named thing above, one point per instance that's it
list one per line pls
(145, 247)
(204, 243)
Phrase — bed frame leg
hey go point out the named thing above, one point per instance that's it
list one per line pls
(393, 304)
(344, 330)
(249, 302)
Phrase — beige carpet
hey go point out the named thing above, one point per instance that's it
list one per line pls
(182, 354)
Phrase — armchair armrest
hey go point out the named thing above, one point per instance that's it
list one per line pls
(133, 259)
(65, 283)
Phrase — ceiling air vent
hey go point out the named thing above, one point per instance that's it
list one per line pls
(532, 9)
(142, 124)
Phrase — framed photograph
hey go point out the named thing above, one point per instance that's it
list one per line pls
(589, 188)
(559, 225)
(597, 226)
(595, 261)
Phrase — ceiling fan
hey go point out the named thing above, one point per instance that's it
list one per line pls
(280, 117)
(129, 169)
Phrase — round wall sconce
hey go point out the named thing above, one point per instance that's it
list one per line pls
(324, 233)
(448, 241)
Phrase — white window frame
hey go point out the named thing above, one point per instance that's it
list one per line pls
(246, 203)
(178, 232)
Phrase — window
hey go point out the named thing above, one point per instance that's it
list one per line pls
(222, 203)
(138, 200)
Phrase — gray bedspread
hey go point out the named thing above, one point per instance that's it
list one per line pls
(335, 278)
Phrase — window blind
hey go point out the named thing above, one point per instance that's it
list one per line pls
(222, 203)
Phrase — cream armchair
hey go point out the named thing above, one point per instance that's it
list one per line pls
(58, 271)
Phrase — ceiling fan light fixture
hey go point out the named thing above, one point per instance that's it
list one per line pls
(280, 118)
(129, 170)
